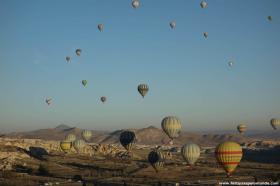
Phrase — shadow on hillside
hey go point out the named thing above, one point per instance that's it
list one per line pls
(100, 171)
(263, 155)
(38, 153)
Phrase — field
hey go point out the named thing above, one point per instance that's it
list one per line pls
(58, 168)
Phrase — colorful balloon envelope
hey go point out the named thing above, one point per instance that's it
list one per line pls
(190, 153)
(103, 99)
(172, 24)
(229, 154)
(84, 82)
(48, 101)
(275, 123)
(203, 4)
(241, 128)
(70, 137)
(155, 158)
(78, 145)
(78, 52)
(172, 126)
(135, 4)
(100, 27)
(65, 145)
(143, 89)
(205, 34)
(86, 134)
(127, 139)
(230, 63)
(68, 58)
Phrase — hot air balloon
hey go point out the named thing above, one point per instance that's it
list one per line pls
(100, 27)
(65, 145)
(127, 139)
(155, 158)
(228, 154)
(205, 34)
(70, 137)
(135, 4)
(172, 24)
(241, 128)
(84, 82)
(78, 145)
(78, 52)
(48, 101)
(203, 4)
(230, 63)
(190, 153)
(172, 126)
(143, 89)
(103, 99)
(86, 134)
(275, 123)
(269, 18)
(67, 58)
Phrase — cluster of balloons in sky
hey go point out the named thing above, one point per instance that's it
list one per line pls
(141, 88)
(228, 154)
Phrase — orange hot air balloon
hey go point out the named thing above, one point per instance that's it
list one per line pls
(229, 154)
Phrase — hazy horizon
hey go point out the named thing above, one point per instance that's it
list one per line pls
(188, 75)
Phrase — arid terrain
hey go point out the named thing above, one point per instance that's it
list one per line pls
(104, 161)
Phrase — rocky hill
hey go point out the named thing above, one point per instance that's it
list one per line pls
(147, 136)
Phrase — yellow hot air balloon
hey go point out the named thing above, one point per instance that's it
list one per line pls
(275, 123)
(86, 134)
(172, 126)
(229, 154)
(241, 128)
(65, 145)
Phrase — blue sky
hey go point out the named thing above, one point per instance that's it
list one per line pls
(187, 74)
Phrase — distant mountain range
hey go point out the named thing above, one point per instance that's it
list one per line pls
(149, 136)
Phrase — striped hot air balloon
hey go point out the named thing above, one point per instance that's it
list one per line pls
(78, 145)
(155, 158)
(229, 154)
(143, 89)
(241, 128)
(127, 139)
(66, 145)
(190, 153)
(86, 134)
(275, 123)
(70, 137)
(172, 126)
